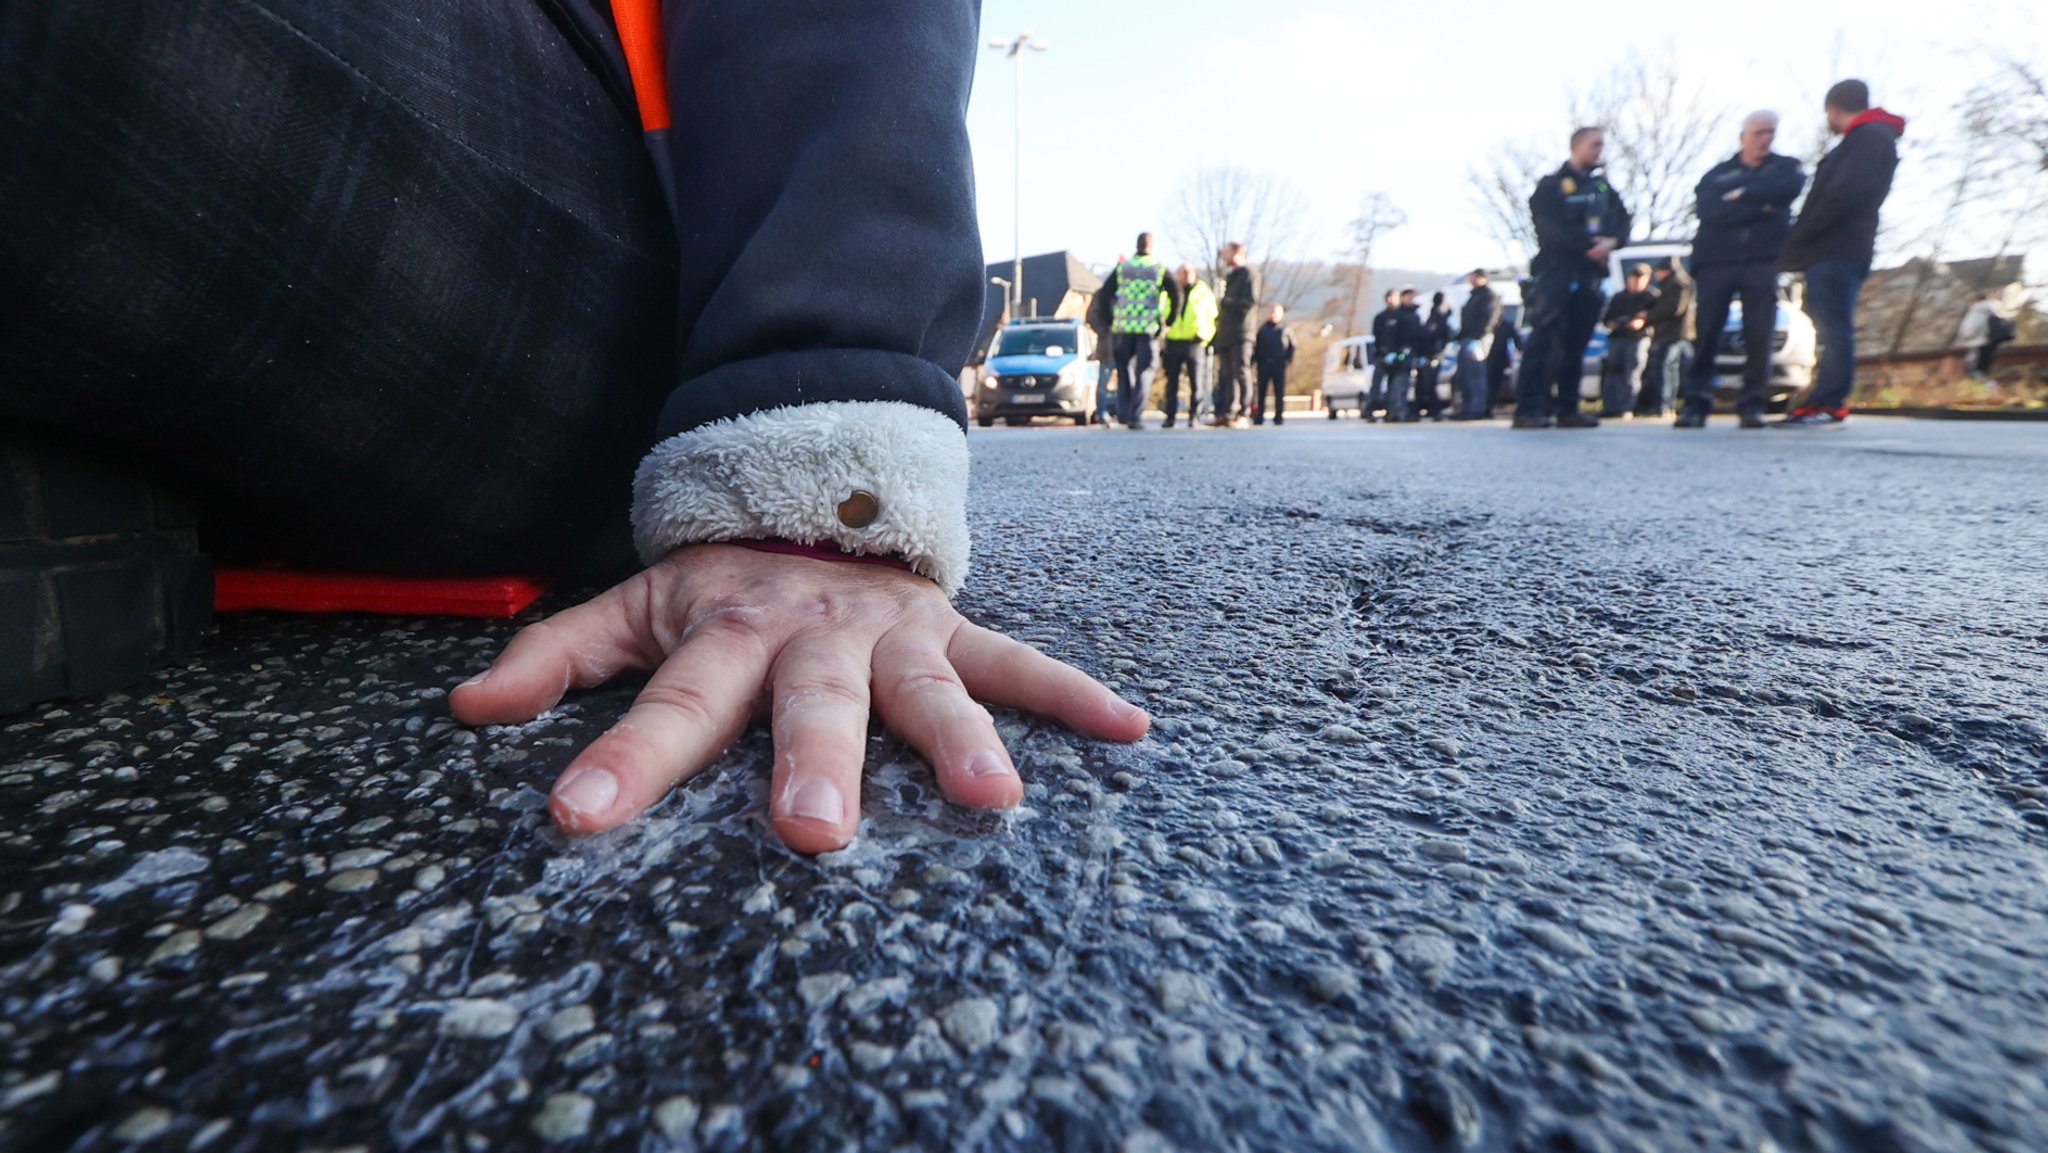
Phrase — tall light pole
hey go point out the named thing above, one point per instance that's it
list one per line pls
(1014, 48)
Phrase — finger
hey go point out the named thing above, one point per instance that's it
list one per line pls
(581, 647)
(820, 689)
(697, 702)
(922, 700)
(1006, 672)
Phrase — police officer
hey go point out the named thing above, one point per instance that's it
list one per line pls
(1147, 300)
(1386, 394)
(1193, 328)
(1580, 220)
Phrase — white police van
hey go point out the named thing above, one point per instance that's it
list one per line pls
(1040, 366)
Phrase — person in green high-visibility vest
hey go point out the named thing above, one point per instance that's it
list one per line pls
(1147, 300)
(1192, 329)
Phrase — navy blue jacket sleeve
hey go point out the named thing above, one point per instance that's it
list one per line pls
(824, 204)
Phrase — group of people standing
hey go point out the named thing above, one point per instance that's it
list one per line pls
(1747, 236)
(1146, 319)
(1409, 350)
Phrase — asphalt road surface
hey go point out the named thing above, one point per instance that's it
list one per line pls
(1624, 790)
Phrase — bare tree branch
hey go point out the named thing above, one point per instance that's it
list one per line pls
(1377, 216)
(1266, 212)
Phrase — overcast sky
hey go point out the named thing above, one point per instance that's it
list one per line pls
(1347, 97)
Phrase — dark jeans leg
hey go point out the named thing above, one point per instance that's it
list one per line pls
(1620, 376)
(1179, 359)
(1713, 286)
(1230, 383)
(1136, 357)
(1426, 401)
(1758, 291)
(1831, 290)
(1398, 384)
(1650, 399)
(1588, 300)
(392, 287)
(1376, 393)
(1550, 337)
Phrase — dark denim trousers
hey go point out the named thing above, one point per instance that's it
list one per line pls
(1137, 359)
(1756, 285)
(1831, 290)
(390, 286)
(1182, 359)
(1561, 323)
(1655, 397)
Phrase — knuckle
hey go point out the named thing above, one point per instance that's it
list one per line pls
(688, 702)
(805, 689)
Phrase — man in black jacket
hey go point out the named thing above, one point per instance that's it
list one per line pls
(1387, 395)
(1272, 352)
(1628, 324)
(1745, 210)
(1835, 238)
(1671, 335)
(1429, 358)
(1580, 220)
(1476, 323)
(1410, 338)
(1233, 334)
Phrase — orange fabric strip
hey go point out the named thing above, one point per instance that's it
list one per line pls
(639, 23)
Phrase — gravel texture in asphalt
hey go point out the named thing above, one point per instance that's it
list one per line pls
(1623, 790)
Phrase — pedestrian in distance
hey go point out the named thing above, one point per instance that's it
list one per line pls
(1671, 338)
(1190, 333)
(1271, 354)
(1233, 340)
(1580, 220)
(1384, 396)
(1744, 205)
(1986, 325)
(1101, 318)
(1147, 300)
(1410, 340)
(1478, 318)
(1436, 338)
(1627, 320)
(1833, 241)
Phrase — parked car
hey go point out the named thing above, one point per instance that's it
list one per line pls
(1040, 367)
(1347, 374)
(1794, 346)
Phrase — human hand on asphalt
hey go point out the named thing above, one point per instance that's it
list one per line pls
(732, 632)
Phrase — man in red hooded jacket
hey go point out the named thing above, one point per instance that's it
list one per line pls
(1834, 239)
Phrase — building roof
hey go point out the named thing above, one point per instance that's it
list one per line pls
(1048, 277)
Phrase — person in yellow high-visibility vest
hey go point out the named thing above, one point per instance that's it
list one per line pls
(1192, 329)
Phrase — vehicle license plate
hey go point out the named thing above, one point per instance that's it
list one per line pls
(1028, 398)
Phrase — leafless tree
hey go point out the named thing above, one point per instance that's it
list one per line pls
(1216, 204)
(1377, 216)
(1662, 133)
(1500, 189)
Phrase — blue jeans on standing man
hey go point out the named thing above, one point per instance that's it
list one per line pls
(1831, 290)
(1469, 383)
(1137, 356)
(1104, 413)
(1566, 311)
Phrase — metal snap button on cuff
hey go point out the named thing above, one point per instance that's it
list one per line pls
(860, 509)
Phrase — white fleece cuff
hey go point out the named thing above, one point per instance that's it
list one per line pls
(783, 473)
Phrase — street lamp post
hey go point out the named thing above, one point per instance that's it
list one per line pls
(1014, 49)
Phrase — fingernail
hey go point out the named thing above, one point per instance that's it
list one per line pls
(1125, 710)
(985, 763)
(818, 800)
(589, 792)
(478, 679)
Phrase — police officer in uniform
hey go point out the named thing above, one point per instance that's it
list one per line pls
(1147, 300)
(1580, 220)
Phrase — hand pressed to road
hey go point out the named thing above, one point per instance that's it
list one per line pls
(730, 632)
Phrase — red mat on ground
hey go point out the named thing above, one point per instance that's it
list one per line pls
(281, 590)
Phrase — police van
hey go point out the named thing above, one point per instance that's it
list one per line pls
(1040, 366)
(1794, 344)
